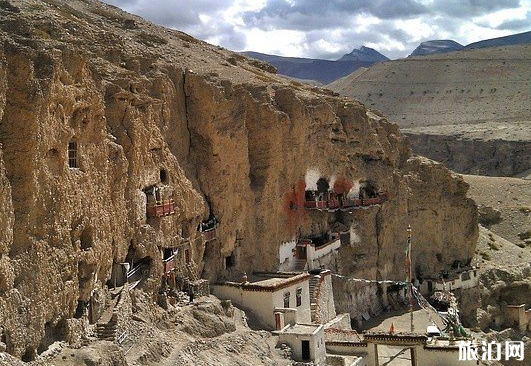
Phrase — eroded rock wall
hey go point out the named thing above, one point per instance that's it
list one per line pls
(148, 106)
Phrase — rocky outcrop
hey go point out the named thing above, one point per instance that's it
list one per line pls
(101, 107)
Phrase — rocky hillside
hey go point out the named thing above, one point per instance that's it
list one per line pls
(100, 109)
(442, 99)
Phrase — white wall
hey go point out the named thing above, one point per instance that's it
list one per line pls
(304, 314)
(459, 282)
(263, 304)
(317, 345)
(431, 357)
(316, 253)
(285, 251)
(260, 303)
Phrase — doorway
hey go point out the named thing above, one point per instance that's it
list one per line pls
(306, 350)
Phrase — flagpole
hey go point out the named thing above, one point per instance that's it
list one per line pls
(410, 284)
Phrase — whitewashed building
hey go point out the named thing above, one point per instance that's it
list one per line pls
(268, 293)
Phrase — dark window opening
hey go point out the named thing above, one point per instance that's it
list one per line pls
(72, 155)
(86, 239)
(322, 185)
(80, 309)
(229, 261)
(368, 189)
(286, 299)
(299, 296)
(187, 258)
(163, 174)
(305, 350)
(167, 253)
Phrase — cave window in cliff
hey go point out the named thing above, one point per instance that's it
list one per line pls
(322, 185)
(368, 189)
(229, 261)
(163, 175)
(73, 161)
(86, 239)
(80, 309)
(52, 334)
(29, 355)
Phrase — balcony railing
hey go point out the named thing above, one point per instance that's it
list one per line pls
(210, 234)
(160, 209)
(333, 202)
(169, 263)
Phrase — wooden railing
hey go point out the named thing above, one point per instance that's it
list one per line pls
(337, 203)
(160, 209)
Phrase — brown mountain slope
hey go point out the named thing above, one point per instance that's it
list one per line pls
(440, 101)
(473, 86)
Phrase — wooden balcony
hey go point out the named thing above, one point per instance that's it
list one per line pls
(333, 202)
(210, 234)
(160, 209)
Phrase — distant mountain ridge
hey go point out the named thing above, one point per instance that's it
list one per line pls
(323, 71)
(444, 46)
(365, 54)
(436, 46)
(327, 71)
(513, 39)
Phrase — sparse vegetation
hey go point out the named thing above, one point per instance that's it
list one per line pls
(493, 246)
(485, 256)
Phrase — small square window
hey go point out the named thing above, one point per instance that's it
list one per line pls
(299, 296)
(286, 299)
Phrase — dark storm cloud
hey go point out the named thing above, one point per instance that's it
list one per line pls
(319, 14)
(471, 8)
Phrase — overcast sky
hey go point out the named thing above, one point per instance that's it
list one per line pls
(330, 28)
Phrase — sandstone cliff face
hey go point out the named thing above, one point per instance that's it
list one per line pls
(489, 149)
(147, 106)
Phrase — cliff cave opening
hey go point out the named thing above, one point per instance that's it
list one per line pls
(368, 189)
(322, 185)
(80, 309)
(163, 175)
(229, 261)
(86, 239)
(52, 333)
(139, 267)
(29, 355)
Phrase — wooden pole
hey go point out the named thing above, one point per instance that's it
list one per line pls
(410, 284)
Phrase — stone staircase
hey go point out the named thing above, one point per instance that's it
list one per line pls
(107, 331)
(298, 265)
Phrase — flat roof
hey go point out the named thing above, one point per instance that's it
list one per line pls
(269, 284)
(302, 329)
